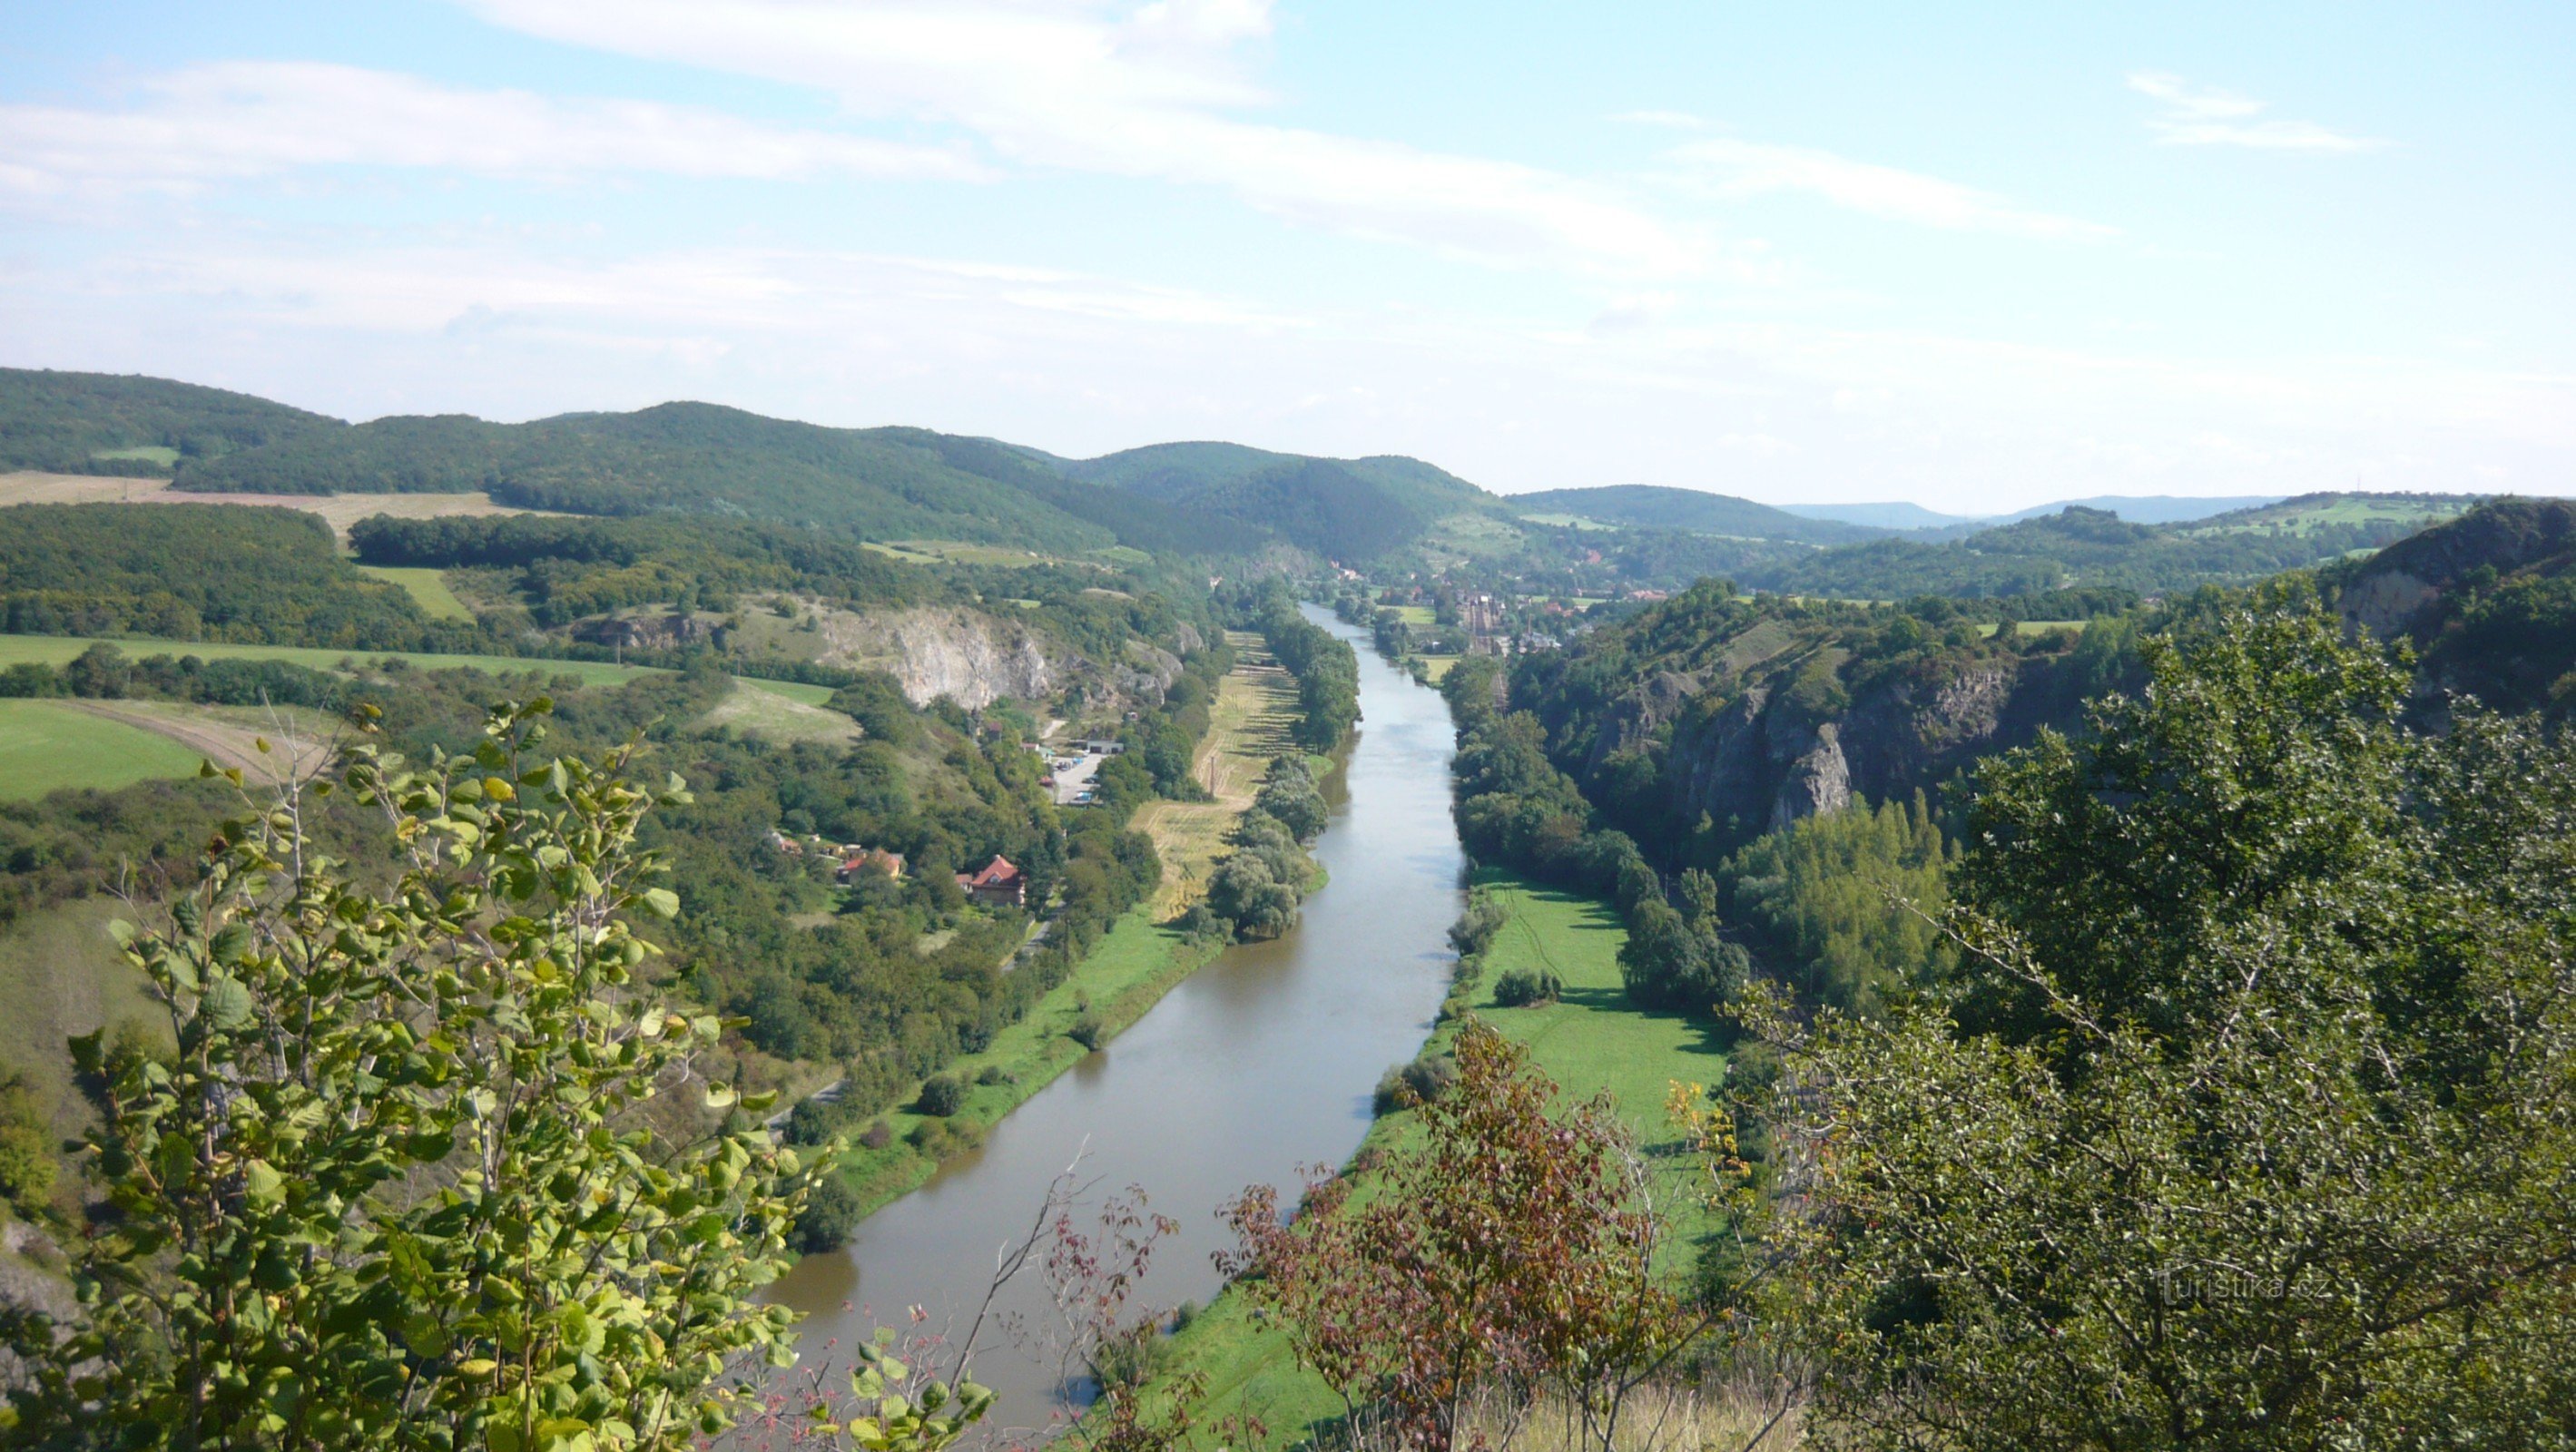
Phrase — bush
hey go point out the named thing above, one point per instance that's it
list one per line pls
(1524, 987)
(1474, 931)
(831, 1212)
(941, 1095)
(878, 1136)
(1131, 1358)
(940, 1138)
(1418, 1082)
(1088, 1031)
(996, 1074)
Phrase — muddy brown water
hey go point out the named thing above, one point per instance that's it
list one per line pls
(1260, 1063)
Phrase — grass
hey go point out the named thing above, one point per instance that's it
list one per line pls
(1436, 668)
(60, 976)
(59, 649)
(49, 745)
(161, 454)
(1418, 614)
(1591, 1040)
(1248, 727)
(1134, 965)
(426, 586)
(768, 709)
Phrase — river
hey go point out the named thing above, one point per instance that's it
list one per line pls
(1261, 1062)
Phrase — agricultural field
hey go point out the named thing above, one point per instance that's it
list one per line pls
(1256, 704)
(49, 745)
(1589, 1041)
(2307, 515)
(338, 510)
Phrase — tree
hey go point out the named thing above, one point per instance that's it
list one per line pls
(1517, 1244)
(2250, 1126)
(428, 1168)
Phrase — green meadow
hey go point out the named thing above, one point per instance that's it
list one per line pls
(48, 745)
(1589, 1041)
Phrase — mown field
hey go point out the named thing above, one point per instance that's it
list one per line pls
(48, 745)
(1248, 726)
(1590, 1041)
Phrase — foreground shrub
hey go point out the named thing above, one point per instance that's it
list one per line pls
(941, 1095)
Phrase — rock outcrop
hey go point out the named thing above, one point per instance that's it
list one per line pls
(966, 655)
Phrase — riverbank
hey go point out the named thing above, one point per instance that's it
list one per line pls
(1590, 1040)
(1137, 962)
(1248, 727)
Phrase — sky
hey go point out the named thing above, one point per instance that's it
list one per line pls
(1973, 256)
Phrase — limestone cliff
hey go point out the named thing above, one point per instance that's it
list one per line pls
(971, 657)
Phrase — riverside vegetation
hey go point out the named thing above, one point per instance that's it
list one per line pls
(2081, 1020)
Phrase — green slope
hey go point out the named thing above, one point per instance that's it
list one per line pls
(105, 423)
(1655, 507)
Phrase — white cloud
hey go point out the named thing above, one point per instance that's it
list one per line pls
(1731, 167)
(2205, 116)
(1150, 92)
(240, 120)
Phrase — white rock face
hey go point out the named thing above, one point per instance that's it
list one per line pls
(972, 658)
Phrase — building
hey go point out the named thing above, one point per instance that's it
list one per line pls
(860, 862)
(999, 884)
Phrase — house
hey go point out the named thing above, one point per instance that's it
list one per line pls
(866, 862)
(999, 884)
(781, 842)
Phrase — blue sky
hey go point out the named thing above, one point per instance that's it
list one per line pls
(1976, 258)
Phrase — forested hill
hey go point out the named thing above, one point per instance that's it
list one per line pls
(98, 423)
(699, 458)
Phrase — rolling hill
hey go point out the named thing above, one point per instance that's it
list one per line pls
(1652, 506)
(706, 459)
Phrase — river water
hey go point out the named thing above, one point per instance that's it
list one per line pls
(1261, 1062)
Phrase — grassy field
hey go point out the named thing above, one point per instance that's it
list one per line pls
(426, 586)
(1132, 968)
(49, 745)
(1256, 704)
(58, 649)
(1418, 614)
(2300, 518)
(1589, 1041)
(767, 708)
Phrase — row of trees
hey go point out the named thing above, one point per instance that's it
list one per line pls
(1326, 668)
(1255, 891)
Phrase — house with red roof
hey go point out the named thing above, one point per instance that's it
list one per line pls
(998, 884)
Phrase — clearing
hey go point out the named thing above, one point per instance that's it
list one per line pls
(767, 709)
(1589, 1041)
(1248, 726)
(427, 588)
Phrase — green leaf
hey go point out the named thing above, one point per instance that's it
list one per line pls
(663, 902)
